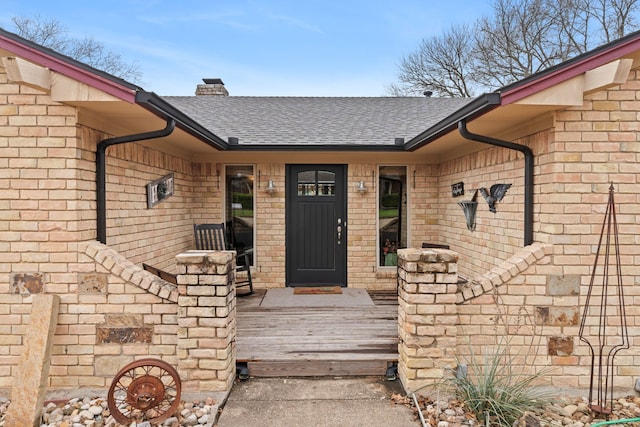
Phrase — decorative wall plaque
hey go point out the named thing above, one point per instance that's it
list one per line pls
(457, 189)
(159, 190)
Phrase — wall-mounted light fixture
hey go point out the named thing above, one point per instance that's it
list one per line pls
(271, 187)
(469, 208)
(362, 188)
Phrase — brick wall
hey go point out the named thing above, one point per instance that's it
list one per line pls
(47, 216)
(497, 235)
(269, 248)
(362, 230)
(118, 313)
(114, 313)
(524, 306)
(45, 202)
(157, 234)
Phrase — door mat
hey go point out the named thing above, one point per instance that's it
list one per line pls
(318, 290)
(284, 298)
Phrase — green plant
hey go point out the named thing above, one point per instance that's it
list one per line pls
(390, 200)
(495, 389)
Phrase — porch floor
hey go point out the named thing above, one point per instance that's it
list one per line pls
(317, 341)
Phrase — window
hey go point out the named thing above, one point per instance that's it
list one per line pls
(392, 213)
(316, 183)
(239, 207)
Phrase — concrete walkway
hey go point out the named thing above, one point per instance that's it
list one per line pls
(297, 402)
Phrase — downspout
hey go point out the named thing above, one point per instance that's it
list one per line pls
(101, 171)
(528, 173)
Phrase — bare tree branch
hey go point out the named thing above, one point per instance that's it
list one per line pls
(52, 34)
(520, 38)
(441, 65)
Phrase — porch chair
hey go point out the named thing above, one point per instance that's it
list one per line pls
(426, 245)
(213, 237)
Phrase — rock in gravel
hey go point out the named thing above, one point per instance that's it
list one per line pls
(94, 412)
(191, 420)
(169, 422)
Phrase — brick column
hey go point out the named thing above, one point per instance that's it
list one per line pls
(427, 315)
(206, 320)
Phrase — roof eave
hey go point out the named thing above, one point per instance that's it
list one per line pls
(479, 106)
(317, 147)
(158, 106)
(571, 68)
(67, 66)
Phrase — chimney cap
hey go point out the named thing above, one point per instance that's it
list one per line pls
(214, 81)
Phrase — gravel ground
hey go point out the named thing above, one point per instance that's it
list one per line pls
(562, 413)
(93, 412)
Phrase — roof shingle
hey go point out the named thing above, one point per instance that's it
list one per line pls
(316, 120)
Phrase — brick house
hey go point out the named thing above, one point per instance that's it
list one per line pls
(334, 186)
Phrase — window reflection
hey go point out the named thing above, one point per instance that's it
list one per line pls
(316, 183)
(392, 215)
(239, 207)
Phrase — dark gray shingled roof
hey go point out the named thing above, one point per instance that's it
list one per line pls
(316, 120)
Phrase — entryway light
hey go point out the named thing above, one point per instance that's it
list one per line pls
(361, 187)
(271, 187)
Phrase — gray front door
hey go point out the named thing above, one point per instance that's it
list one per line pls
(316, 231)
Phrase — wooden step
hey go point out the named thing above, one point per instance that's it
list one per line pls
(317, 368)
(317, 341)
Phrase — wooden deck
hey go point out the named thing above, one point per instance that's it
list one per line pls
(317, 341)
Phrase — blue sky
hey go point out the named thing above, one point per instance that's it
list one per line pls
(259, 48)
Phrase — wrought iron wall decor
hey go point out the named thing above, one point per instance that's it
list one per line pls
(159, 190)
(604, 324)
(494, 195)
(469, 208)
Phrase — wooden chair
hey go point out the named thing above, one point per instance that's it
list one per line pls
(213, 237)
(434, 246)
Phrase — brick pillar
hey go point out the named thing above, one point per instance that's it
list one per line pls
(427, 315)
(206, 320)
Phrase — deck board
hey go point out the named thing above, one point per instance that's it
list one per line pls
(317, 341)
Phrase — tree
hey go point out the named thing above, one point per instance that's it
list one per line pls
(52, 34)
(441, 64)
(520, 38)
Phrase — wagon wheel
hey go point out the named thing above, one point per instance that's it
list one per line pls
(146, 389)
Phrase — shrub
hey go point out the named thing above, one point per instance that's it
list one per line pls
(493, 390)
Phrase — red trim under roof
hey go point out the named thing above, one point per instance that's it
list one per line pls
(563, 72)
(68, 69)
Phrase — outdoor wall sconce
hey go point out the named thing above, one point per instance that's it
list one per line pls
(362, 188)
(271, 187)
(469, 208)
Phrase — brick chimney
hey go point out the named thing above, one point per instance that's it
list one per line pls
(212, 87)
